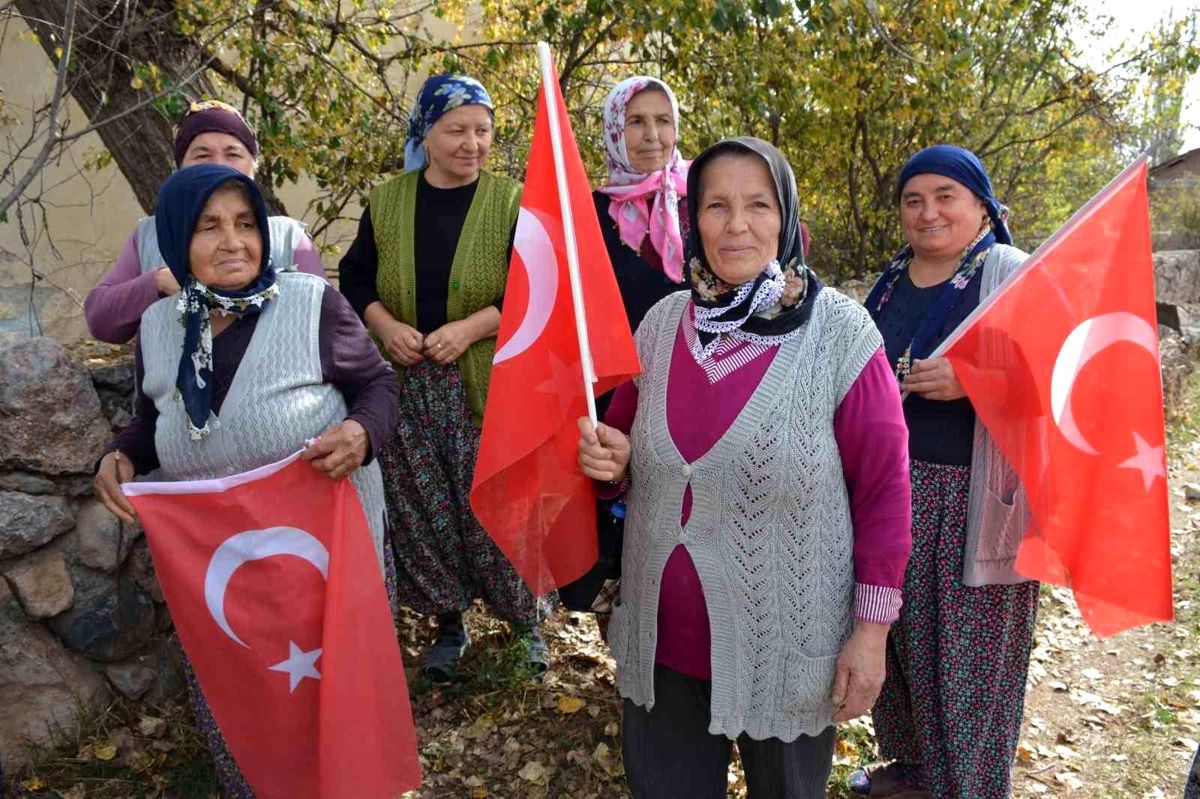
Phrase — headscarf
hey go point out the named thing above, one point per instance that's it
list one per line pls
(644, 203)
(773, 307)
(212, 116)
(964, 166)
(439, 94)
(180, 201)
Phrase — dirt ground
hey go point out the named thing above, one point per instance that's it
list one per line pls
(1112, 719)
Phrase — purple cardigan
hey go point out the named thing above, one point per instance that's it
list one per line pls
(114, 308)
(873, 444)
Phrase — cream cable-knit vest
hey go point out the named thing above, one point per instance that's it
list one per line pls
(278, 399)
(769, 531)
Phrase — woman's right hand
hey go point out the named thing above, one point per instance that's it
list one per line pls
(404, 344)
(603, 451)
(115, 469)
(165, 282)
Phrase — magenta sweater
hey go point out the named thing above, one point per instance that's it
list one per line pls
(872, 439)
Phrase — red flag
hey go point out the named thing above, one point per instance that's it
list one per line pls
(528, 492)
(1062, 367)
(275, 589)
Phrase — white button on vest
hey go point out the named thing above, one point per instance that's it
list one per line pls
(687, 470)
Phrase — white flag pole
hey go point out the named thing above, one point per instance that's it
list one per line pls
(564, 201)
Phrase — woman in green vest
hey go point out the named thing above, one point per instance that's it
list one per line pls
(427, 273)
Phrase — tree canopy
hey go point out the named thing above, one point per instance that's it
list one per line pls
(846, 88)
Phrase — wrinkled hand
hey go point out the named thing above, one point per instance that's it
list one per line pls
(339, 450)
(449, 341)
(404, 343)
(165, 282)
(860, 671)
(934, 378)
(115, 469)
(603, 452)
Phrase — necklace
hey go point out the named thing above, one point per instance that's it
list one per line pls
(967, 267)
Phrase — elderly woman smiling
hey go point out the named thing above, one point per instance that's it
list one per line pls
(764, 454)
(244, 367)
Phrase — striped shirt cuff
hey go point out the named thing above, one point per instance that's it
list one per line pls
(877, 604)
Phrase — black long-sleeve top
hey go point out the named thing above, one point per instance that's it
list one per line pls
(439, 221)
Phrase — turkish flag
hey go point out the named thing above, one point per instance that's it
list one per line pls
(275, 589)
(1061, 364)
(528, 492)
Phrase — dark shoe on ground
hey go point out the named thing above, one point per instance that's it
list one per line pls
(891, 780)
(441, 661)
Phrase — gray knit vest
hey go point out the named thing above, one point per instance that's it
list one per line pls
(286, 235)
(769, 532)
(278, 399)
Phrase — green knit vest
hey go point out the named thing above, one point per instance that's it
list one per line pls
(477, 275)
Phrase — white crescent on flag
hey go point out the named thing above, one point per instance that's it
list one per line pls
(1085, 342)
(536, 252)
(256, 545)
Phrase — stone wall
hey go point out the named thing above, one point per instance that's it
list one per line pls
(81, 615)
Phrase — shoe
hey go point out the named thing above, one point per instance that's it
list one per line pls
(441, 661)
(891, 780)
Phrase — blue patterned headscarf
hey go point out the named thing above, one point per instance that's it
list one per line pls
(439, 94)
(964, 166)
(181, 200)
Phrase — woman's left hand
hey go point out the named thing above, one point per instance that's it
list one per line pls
(860, 671)
(934, 378)
(449, 341)
(339, 450)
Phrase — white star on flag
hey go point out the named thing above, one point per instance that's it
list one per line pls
(1148, 460)
(300, 664)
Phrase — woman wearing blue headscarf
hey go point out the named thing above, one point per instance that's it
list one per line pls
(427, 273)
(949, 714)
(244, 366)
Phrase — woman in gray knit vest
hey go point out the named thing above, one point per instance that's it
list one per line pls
(764, 456)
(242, 368)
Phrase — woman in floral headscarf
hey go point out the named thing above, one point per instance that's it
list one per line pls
(642, 210)
(427, 273)
(643, 205)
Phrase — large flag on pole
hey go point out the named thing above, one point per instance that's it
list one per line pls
(1062, 366)
(563, 334)
(276, 591)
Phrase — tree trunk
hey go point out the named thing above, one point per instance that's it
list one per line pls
(110, 38)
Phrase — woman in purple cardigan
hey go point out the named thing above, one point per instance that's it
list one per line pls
(210, 133)
(764, 459)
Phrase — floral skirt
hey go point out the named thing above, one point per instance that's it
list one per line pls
(444, 558)
(957, 657)
(229, 776)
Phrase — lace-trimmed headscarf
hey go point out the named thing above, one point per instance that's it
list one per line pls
(774, 306)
